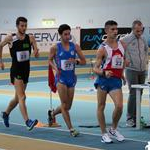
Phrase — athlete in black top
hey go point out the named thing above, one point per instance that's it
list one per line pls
(20, 49)
(20, 53)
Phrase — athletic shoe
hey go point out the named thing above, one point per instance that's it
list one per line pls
(31, 123)
(5, 118)
(106, 138)
(130, 123)
(50, 117)
(116, 134)
(74, 132)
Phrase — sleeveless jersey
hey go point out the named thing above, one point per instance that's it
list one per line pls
(114, 60)
(20, 51)
(61, 59)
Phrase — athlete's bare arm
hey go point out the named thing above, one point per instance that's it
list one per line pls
(101, 54)
(82, 60)
(99, 57)
(52, 54)
(7, 40)
(34, 45)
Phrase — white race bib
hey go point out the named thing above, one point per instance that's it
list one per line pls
(117, 62)
(66, 65)
(22, 56)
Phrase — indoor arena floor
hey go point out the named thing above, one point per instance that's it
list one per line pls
(83, 113)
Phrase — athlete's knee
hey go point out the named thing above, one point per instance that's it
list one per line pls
(15, 99)
(119, 107)
(22, 97)
(65, 107)
(101, 106)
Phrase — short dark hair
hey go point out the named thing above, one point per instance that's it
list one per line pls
(63, 27)
(136, 22)
(110, 23)
(23, 19)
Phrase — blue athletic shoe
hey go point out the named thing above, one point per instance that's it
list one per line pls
(5, 118)
(31, 123)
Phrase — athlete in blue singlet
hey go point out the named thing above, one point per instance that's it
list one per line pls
(64, 54)
(67, 69)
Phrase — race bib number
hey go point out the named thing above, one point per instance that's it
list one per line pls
(66, 65)
(22, 56)
(117, 62)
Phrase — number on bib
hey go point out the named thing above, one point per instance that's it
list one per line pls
(66, 65)
(22, 56)
(117, 62)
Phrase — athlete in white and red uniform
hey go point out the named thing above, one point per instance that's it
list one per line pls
(109, 68)
(114, 60)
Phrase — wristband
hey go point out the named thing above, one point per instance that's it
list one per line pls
(77, 62)
(103, 73)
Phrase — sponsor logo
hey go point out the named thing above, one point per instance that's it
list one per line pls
(26, 45)
(72, 52)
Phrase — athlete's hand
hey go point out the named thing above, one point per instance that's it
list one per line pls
(108, 73)
(127, 63)
(2, 65)
(57, 71)
(36, 53)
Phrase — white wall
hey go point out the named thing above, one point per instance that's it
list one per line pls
(84, 13)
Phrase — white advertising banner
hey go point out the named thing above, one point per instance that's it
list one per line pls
(45, 37)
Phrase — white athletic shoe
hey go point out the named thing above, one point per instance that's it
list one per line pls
(106, 138)
(74, 132)
(117, 135)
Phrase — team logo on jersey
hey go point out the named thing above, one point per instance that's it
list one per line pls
(61, 54)
(72, 52)
(26, 45)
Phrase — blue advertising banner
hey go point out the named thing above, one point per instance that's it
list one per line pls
(91, 39)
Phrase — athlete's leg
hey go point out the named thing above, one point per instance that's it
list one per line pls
(101, 97)
(13, 103)
(70, 97)
(63, 94)
(20, 90)
(56, 111)
(117, 98)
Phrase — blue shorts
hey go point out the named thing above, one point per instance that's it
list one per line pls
(69, 82)
(108, 84)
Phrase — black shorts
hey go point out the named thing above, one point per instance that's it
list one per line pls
(20, 75)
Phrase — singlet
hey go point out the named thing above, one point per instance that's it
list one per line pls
(20, 51)
(114, 60)
(61, 59)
